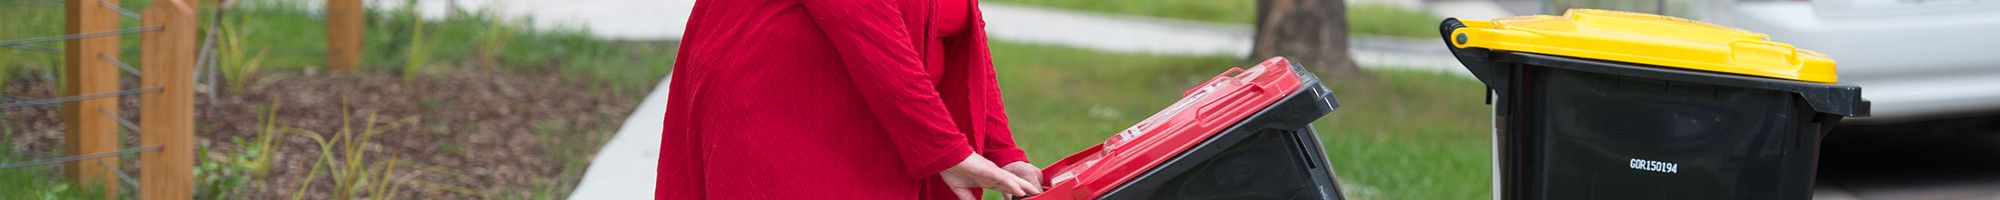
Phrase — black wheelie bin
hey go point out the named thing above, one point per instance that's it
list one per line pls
(1601, 104)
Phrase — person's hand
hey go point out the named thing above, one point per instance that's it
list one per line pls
(1025, 171)
(977, 172)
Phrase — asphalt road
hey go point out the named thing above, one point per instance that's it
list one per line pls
(1957, 159)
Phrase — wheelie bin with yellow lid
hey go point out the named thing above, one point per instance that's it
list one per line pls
(1601, 104)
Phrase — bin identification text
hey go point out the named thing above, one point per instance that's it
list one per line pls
(1655, 166)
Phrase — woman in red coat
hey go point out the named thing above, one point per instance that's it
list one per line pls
(837, 99)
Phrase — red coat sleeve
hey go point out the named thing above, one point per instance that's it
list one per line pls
(999, 142)
(884, 65)
(990, 119)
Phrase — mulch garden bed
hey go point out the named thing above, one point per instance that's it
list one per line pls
(519, 133)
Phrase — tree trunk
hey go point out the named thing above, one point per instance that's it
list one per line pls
(1309, 32)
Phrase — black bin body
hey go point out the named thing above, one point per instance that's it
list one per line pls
(1578, 128)
(1273, 154)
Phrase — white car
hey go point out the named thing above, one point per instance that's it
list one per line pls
(1915, 59)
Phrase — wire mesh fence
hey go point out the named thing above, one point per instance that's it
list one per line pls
(165, 44)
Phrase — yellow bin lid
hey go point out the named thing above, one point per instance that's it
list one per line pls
(1648, 39)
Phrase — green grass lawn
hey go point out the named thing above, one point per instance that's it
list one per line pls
(1387, 20)
(1365, 18)
(1677, 8)
(37, 182)
(1402, 135)
(1224, 11)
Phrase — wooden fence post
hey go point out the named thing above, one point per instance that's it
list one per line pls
(88, 128)
(167, 116)
(344, 29)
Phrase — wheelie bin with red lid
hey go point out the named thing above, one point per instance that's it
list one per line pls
(1245, 134)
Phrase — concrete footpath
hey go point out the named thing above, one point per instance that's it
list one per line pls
(624, 169)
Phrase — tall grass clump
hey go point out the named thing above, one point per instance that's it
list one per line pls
(344, 158)
(237, 64)
(420, 45)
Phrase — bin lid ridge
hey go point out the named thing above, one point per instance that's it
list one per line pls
(1648, 39)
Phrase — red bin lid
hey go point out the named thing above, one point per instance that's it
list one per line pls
(1202, 112)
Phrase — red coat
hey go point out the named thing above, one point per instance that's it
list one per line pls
(829, 99)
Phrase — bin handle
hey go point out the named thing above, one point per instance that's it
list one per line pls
(1744, 48)
(1229, 102)
(1231, 75)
